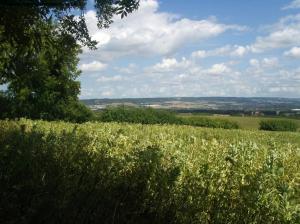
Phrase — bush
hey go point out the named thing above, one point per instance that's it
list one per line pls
(5, 106)
(278, 125)
(55, 172)
(138, 115)
(154, 116)
(212, 123)
(77, 112)
(69, 110)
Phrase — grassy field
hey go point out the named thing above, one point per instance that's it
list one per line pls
(56, 172)
(247, 122)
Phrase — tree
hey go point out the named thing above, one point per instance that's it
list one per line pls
(20, 25)
(39, 45)
(45, 86)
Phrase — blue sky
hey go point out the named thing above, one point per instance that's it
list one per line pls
(196, 48)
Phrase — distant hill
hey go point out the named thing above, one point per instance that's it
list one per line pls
(203, 103)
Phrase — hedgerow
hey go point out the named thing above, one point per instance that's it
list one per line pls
(159, 116)
(210, 123)
(278, 125)
(138, 115)
(55, 172)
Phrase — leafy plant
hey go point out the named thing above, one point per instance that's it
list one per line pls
(156, 116)
(278, 125)
(56, 172)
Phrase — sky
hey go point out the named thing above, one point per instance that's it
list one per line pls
(195, 48)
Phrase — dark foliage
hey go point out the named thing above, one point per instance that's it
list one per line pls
(278, 125)
(138, 115)
(50, 178)
(55, 172)
(212, 123)
(39, 47)
(44, 85)
(154, 116)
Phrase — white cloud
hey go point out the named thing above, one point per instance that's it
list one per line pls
(231, 70)
(239, 51)
(93, 66)
(218, 69)
(107, 93)
(262, 68)
(270, 62)
(266, 63)
(110, 78)
(254, 62)
(227, 50)
(186, 68)
(286, 33)
(199, 54)
(295, 4)
(167, 63)
(150, 32)
(130, 69)
(170, 64)
(263, 77)
(293, 52)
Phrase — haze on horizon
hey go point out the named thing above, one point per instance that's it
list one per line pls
(200, 48)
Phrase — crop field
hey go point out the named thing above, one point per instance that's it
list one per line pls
(247, 123)
(56, 172)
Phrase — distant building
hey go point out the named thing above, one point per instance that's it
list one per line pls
(257, 113)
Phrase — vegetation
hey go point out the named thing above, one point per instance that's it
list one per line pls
(58, 172)
(244, 122)
(138, 115)
(119, 173)
(278, 125)
(20, 21)
(154, 116)
(45, 86)
(210, 122)
(39, 46)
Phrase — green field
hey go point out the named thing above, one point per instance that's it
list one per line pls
(56, 172)
(247, 123)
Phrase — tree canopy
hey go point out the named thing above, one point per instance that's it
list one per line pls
(17, 16)
(40, 41)
(22, 21)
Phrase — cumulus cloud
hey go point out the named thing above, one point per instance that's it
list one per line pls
(116, 78)
(150, 32)
(293, 52)
(229, 70)
(171, 64)
(130, 69)
(188, 67)
(228, 50)
(270, 62)
(218, 69)
(93, 66)
(286, 33)
(264, 77)
(293, 5)
(267, 63)
(254, 63)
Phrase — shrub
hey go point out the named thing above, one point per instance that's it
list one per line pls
(5, 106)
(208, 122)
(138, 115)
(154, 116)
(278, 125)
(55, 172)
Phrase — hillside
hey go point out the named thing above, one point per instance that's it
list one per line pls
(271, 105)
(124, 173)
